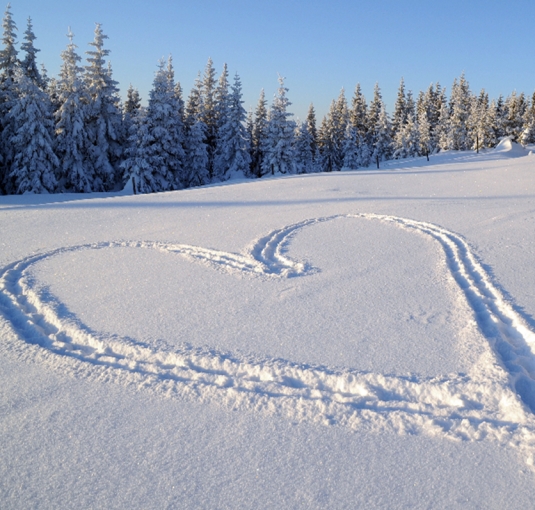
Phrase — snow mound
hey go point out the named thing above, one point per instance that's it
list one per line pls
(511, 149)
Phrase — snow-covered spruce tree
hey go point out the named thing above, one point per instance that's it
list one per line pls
(278, 146)
(407, 139)
(515, 108)
(340, 120)
(312, 129)
(209, 114)
(460, 103)
(378, 125)
(232, 154)
(34, 165)
(425, 135)
(131, 108)
(399, 118)
(104, 119)
(443, 130)
(358, 114)
(258, 135)
(222, 98)
(8, 95)
(528, 133)
(326, 143)
(352, 158)
(304, 149)
(499, 114)
(358, 119)
(331, 140)
(29, 64)
(76, 172)
(196, 150)
(480, 130)
(382, 140)
(156, 161)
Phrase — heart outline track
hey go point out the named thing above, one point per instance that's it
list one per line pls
(457, 406)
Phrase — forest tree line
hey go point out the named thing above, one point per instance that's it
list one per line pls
(74, 134)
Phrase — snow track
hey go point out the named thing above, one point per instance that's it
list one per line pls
(457, 406)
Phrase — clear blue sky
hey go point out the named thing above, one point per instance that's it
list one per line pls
(318, 46)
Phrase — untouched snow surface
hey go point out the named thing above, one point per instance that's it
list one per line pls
(358, 339)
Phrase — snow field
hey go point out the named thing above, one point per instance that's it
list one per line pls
(373, 349)
(442, 405)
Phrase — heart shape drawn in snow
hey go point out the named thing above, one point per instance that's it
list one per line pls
(459, 406)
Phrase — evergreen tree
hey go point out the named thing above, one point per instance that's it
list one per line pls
(278, 146)
(196, 151)
(259, 134)
(358, 115)
(311, 128)
(515, 108)
(29, 64)
(34, 163)
(131, 108)
(358, 119)
(232, 154)
(460, 103)
(221, 105)
(304, 149)
(8, 96)
(352, 149)
(156, 161)
(425, 136)
(133, 102)
(480, 130)
(528, 133)
(407, 139)
(76, 173)
(104, 119)
(400, 110)
(443, 130)
(382, 140)
(209, 114)
(196, 148)
(500, 114)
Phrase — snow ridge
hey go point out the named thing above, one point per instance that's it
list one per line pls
(462, 407)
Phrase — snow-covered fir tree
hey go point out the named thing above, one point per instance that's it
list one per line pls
(258, 135)
(460, 105)
(209, 114)
(399, 118)
(480, 130)
(352, 149)
(232, 153)
(528, 133)
(278, 146)
(34, 165)
(305, 150)
(407, 139)
(382, 140)
(379, 129)
(358, 119)
(312, 129)
(156, 161)
(131, 108)
(515, 109)
(500, 114)
(8, 95)
(76, 173)
(196, 150)
(425, 135)
(29, 64)
(104, 119)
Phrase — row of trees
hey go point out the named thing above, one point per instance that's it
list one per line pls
(73, 134)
